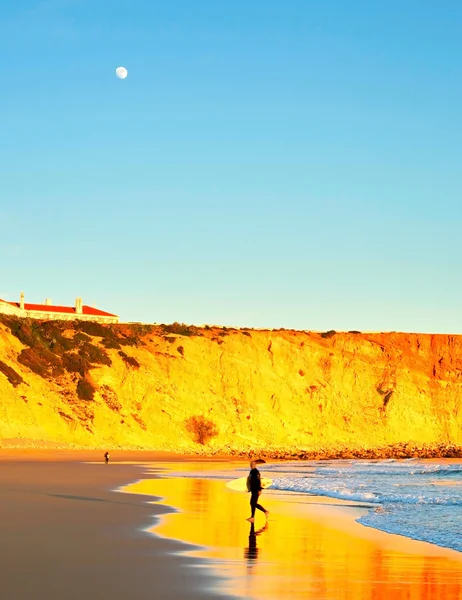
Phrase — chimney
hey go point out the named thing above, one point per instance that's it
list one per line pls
(21, 301)
(48, 302)
(78, 306)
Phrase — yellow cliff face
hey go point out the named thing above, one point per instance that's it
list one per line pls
(157, 386)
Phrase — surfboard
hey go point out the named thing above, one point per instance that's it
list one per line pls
(240, 485)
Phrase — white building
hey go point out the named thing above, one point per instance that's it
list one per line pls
(49, 311)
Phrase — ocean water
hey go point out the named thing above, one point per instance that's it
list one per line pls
(418, 499)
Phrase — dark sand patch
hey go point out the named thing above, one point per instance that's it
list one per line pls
(65, 535)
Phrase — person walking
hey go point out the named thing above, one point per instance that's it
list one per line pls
(106, 457)
(255, 489)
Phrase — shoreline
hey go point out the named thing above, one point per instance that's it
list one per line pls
(351, 550)
(76, 537)
(146, 459)
(345, 512)
(188, 536)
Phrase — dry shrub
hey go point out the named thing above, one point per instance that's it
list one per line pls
(110, 397)
(82, 337)
(111, 344)
(39, 334)
(41, 361)
(113, 336)
(94, 329)
(23, 329)
(73, 363)
(180, 329)
(138, 330)
(328, 334)
(85, 390)
(95, 355)
(51, 335)
(202, 429)
(129, 360)
(14, 378)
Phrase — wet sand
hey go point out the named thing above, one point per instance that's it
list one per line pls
(65, 534)
(310, 550)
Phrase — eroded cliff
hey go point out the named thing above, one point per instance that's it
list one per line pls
(163, 387)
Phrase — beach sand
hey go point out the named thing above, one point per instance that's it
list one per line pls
(312, 547)
(65, 534)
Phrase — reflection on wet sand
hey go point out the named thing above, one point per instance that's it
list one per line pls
(302, 552)
(251, 552)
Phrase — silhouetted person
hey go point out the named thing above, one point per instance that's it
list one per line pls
(255, 489)
(106, 457)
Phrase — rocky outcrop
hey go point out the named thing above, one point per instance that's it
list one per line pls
(226, 390)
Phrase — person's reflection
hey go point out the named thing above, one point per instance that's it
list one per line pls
(251, 552)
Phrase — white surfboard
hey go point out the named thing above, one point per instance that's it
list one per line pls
(240, 485)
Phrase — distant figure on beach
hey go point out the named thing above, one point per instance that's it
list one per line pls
(106, 457)
(255, 489)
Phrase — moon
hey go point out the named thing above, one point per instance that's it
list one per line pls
(121, 72)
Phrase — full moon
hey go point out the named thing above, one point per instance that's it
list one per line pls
(121, 72)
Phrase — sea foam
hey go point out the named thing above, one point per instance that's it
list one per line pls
(434, 490)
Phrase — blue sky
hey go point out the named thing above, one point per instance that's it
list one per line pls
(266, 163)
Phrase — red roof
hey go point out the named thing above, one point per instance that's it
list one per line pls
(86, 310)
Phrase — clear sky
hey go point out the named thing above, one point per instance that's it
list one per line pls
(266, 163)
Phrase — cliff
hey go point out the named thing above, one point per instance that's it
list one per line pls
(225, 390)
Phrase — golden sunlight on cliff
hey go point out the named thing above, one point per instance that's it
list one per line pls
(154, 386)
(314, 550)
